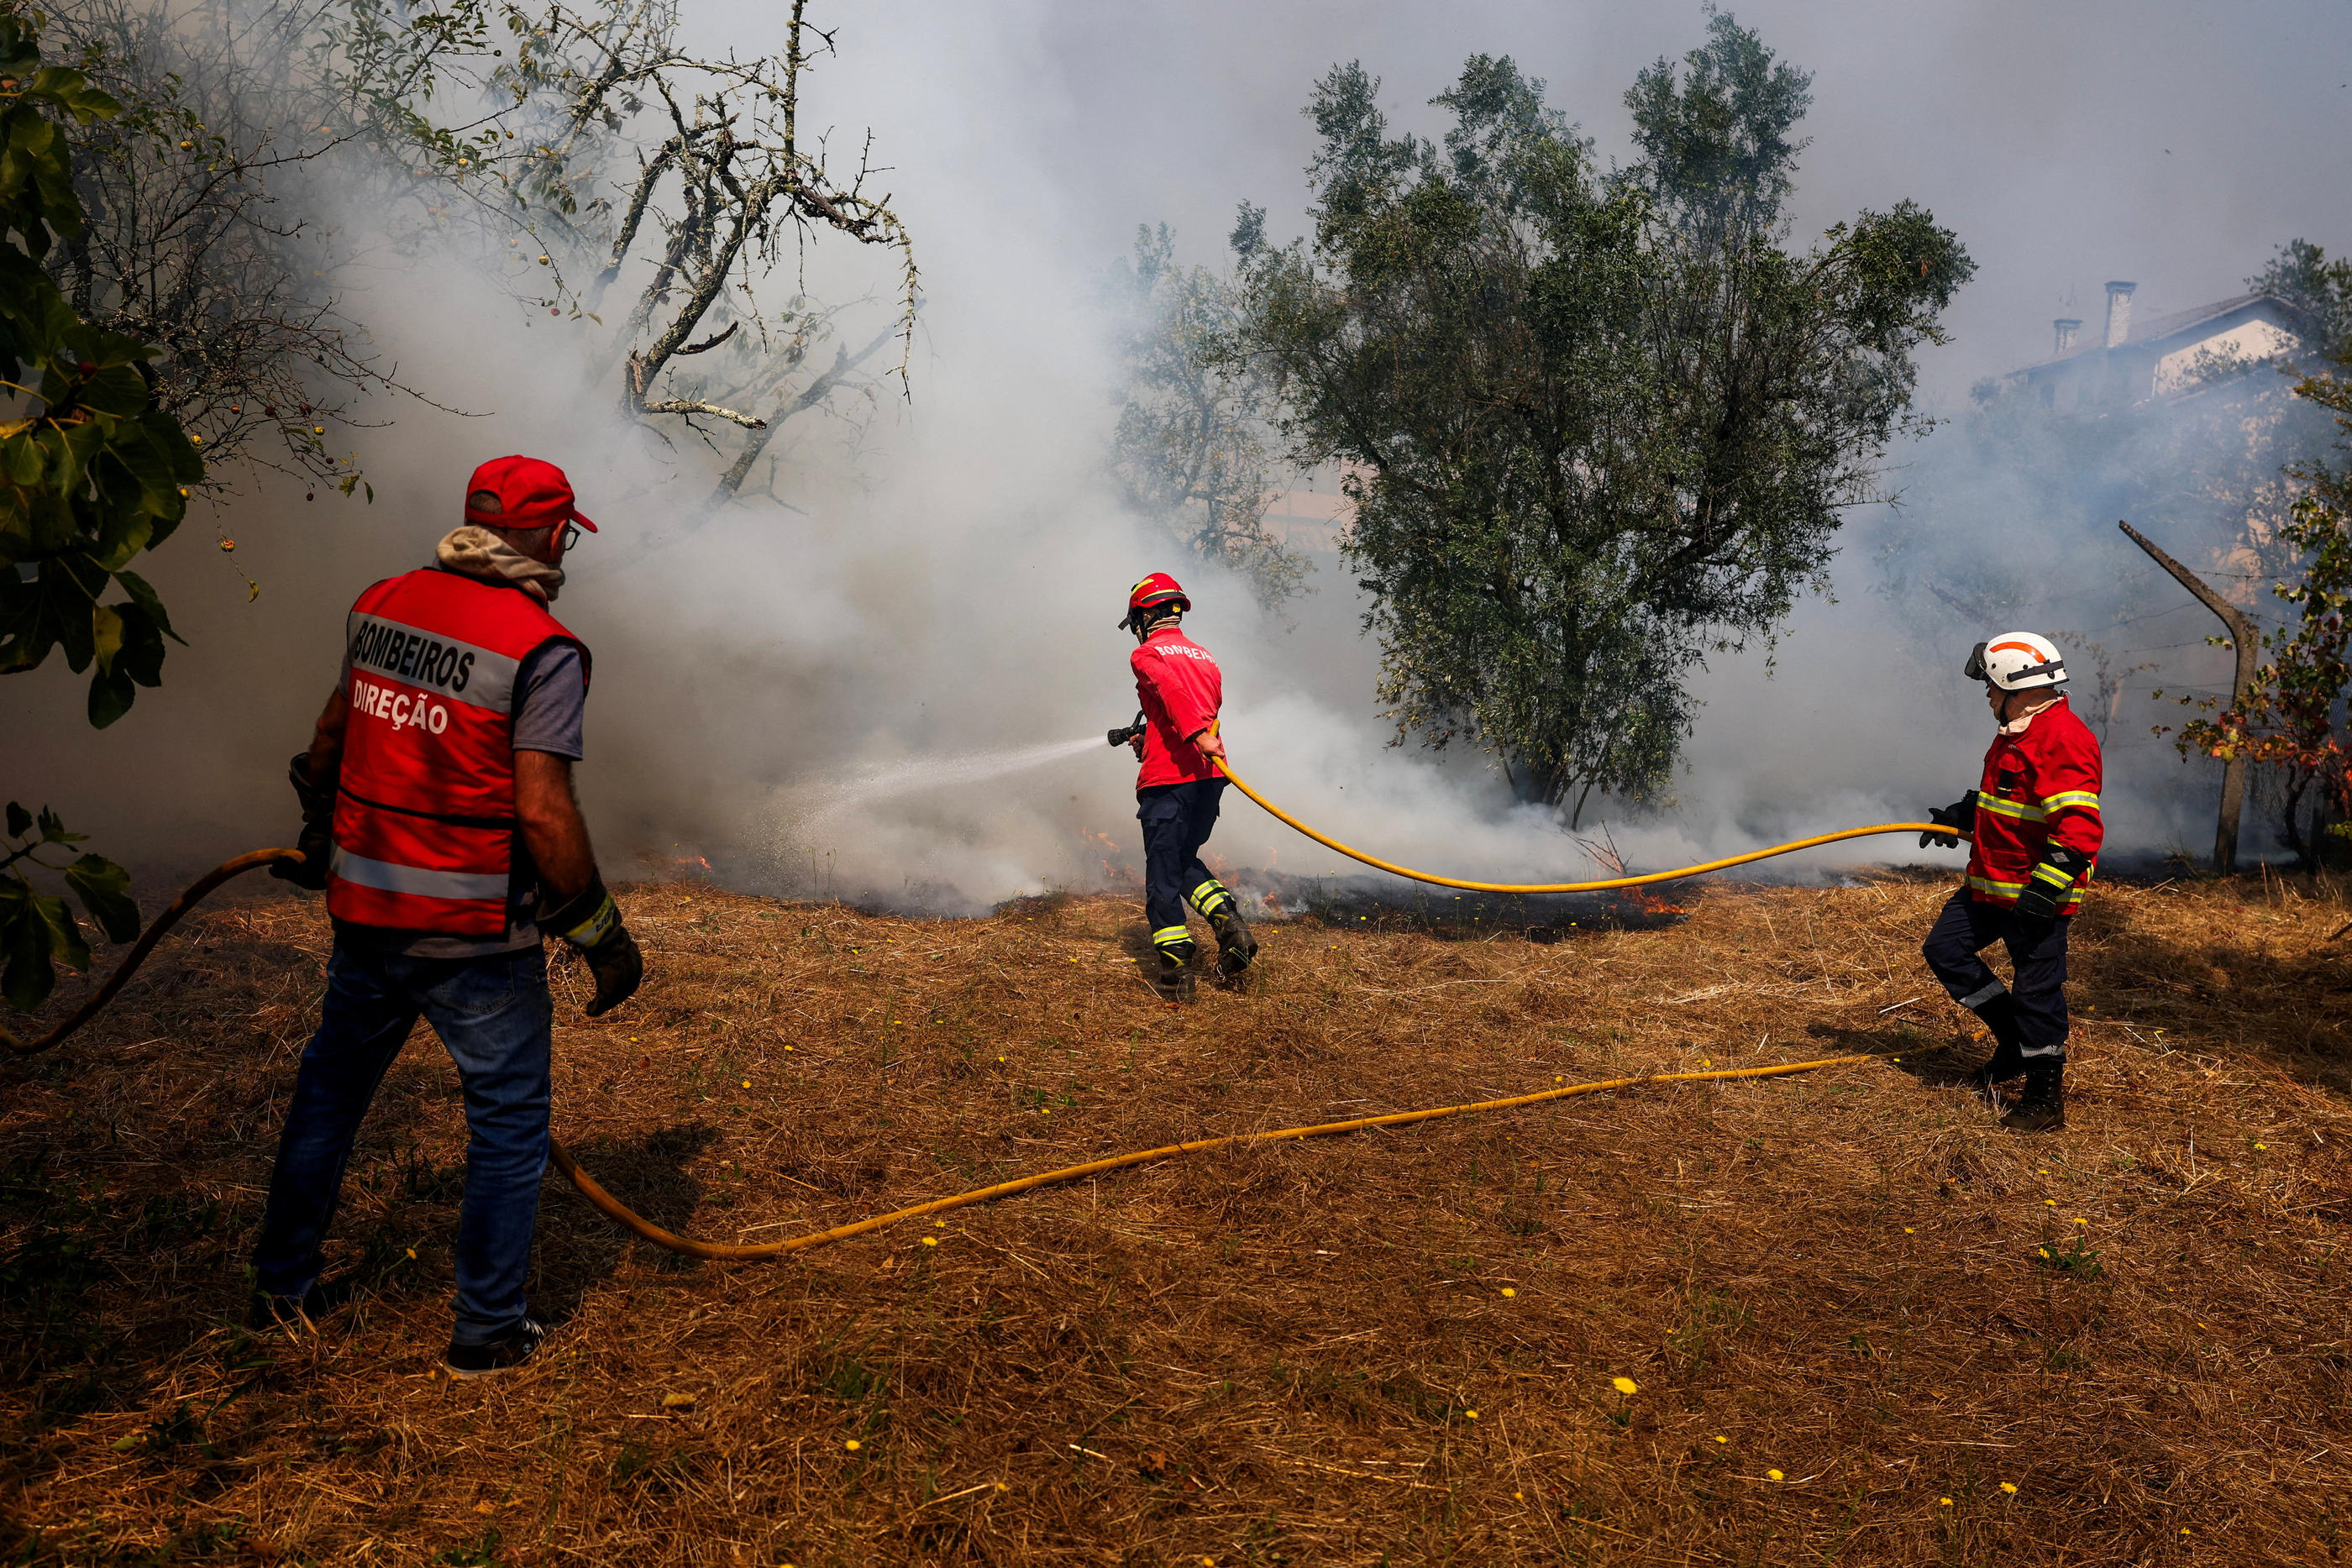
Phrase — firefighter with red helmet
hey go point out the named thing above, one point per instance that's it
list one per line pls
(1178, 788)
(438, 818)
(2034, 816)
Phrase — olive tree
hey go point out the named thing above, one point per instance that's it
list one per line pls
(1598, 424)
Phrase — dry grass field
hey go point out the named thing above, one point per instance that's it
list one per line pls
(1864, 1325)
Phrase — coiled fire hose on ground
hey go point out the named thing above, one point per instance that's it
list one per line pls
(637, 1224)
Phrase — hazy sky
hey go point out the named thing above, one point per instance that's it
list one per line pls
(952, 586)
(2171, 143)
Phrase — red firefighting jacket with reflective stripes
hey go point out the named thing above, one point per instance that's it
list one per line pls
(2041, 785)
(1179, 689)
(425, 822)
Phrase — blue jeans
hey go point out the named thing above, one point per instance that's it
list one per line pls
(493, 1015)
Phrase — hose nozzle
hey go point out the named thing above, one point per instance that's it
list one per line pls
(1130, 734)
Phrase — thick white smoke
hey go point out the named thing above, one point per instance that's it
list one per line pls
(947, 583)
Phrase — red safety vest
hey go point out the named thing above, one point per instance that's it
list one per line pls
(2039, 785)
(425, 822)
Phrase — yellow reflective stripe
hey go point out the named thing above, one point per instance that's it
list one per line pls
(1206, 894)
(1168, 935)
(2053, 876)
(2011, 889)
(2017, 809)
(2084, 800)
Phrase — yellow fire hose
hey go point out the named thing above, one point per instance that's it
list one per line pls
(629, 1219)
(1602, 885)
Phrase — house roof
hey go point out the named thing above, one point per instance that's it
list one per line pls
(2179, 323)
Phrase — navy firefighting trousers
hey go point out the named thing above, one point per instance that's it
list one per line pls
(1177, 820)
(2034, 1005)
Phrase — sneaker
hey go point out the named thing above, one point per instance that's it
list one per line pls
(511, 1348)
(265, 1310)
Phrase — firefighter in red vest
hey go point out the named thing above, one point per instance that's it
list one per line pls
(438, 817)
(1178, 788)
(2035, 819)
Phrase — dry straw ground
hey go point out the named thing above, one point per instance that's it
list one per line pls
(1857, 1314)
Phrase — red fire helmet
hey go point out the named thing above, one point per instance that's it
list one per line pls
(1157, 591)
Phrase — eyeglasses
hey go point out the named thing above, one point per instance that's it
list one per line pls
(569, 537)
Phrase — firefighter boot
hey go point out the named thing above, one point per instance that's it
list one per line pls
(1173, 975)
(1235, 947)
(1999, 1017)
(2043, 1108)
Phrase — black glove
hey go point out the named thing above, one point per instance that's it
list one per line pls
(591, 922)
(2050, 885)
(317, 842)
(1961, 814)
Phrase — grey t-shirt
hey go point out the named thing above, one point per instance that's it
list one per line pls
(551, 708)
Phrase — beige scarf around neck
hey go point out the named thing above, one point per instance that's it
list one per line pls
(478, 553)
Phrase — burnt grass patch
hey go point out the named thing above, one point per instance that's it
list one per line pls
(1855, 1314)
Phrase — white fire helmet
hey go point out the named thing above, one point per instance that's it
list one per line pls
(2016, 661)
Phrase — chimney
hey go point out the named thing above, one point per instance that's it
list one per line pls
(2119, 312)
(2068, 327)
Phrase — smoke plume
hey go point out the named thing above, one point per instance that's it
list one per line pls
(943, 583)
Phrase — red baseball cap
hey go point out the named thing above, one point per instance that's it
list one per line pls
(520, 493)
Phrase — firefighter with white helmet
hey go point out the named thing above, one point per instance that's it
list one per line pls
(2034, 817)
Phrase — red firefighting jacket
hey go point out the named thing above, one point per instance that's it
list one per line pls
(2041, 785)
(425, 822)
(1179, 689)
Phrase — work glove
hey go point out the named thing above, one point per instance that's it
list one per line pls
(1961, 814)
(2048, 888)
(591, 922)
(317, 842)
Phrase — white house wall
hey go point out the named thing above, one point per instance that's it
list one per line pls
(2253, 340)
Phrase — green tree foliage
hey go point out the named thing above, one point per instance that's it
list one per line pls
(1190, 450)
(2292, 719)
(2319, 290)
(38, 930)
(1598, 425)
(90, 477)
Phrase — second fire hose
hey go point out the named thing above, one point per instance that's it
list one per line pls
(614, 1208)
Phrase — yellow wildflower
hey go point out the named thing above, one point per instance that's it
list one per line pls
(1772, 1475)
(1624, 1386)
(2009, 1487)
